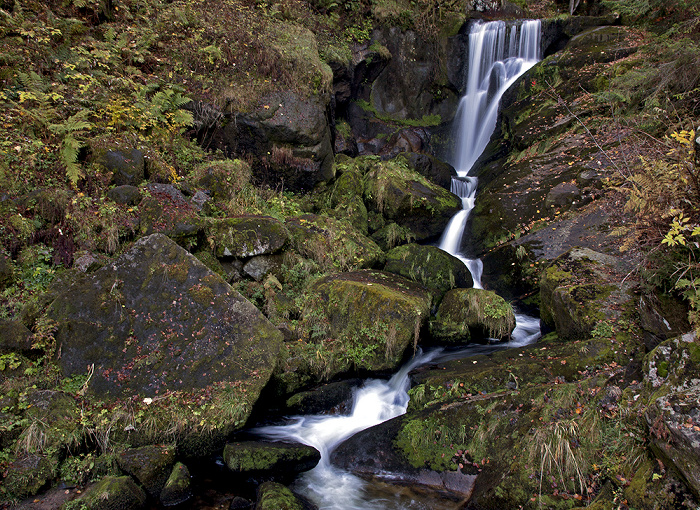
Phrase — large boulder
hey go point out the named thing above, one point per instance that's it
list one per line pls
(430, 266)
(578, 292)
(374, 316)
(14, 337)
(468, 314)
(289, 138)
(157, 322)
(409, 199)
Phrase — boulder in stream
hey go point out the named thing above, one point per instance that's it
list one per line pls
(472, 314)
(275, 496)
(270, 460)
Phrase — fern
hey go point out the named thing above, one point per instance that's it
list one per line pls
(69, 131)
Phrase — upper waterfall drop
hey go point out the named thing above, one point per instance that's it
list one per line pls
(498, 55)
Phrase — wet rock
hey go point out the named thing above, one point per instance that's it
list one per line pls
(113, 493)
(275, 496)
(328, 398)
(430, 266)
(247, 236)
(156, 320)
(125, 195)
(177, 489)
(267, 460)
(430, 167)
(472, 314)
(150, 465)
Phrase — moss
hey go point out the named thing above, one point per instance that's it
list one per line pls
(275, 496)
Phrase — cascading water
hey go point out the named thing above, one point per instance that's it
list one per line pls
(498, 56)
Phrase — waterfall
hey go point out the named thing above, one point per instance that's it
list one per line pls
(498, 56)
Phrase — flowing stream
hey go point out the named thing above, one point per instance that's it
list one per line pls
(498, 55)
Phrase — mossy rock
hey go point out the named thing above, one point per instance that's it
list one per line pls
(246, 236)
(150, 465)
(578, 291)
(177, 488)
(128, 167)
(262, 458)
(430, 167)
(275, 496)
(223, 178)
(404, 196)
(157, 321)
(166, 211)
(672, 373)
(14, 337)
(375, 316)
(430, 266)
(111, 493)
(334, 244)
(56, 414)
(472, 314)
(353, 210)
(27, 475)
(125, 195)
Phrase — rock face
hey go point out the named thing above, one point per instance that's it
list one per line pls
(289, 136)
(673, 372)
(157, 320)
(573, 299)
(472, 314)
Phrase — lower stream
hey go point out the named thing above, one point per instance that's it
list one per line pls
(374, 402)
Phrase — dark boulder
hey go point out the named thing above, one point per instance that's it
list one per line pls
(156, 320)
(268, 460)
(150, 465)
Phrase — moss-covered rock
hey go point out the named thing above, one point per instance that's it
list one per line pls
(14, 337)
(275, 496)
(409, 199)
(177, 488)
(128, 167)
(246, 236)
(430, 266)
(472, 314)
(166, 211)
(334, 244)
(223, 178)
(375, 315)
(577, 292)
(150, 465)
(272, 460)
(27, 475)
(156, 322)
(672, 371)
(111, 493)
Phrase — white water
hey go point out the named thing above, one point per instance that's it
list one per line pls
(498, 56)
(492, 69)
